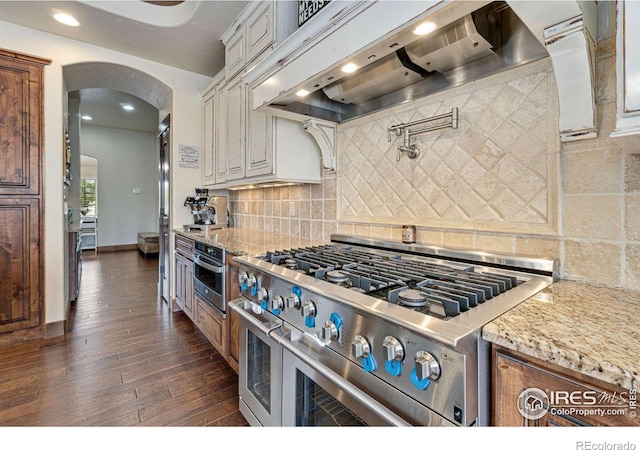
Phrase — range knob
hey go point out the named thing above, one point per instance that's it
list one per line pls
(293, 301)
(393, 350)
(243, 277)
(329, 331)
(276, 303)
(427, 366)
(251, 280)
(360, 347)
(308, 309)
(263, 295)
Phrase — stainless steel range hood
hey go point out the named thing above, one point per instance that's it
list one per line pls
(408, 66)
(472, 40)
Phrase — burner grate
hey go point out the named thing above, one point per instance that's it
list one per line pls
(439, 288)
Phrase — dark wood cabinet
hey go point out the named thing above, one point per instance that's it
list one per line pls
(21, 246)
(550, 395)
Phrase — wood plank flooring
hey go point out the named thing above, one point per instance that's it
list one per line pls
(127, 360)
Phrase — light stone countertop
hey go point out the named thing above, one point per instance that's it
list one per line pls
(241, 241)
(589, 329)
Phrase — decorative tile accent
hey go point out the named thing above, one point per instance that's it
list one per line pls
(494, 172)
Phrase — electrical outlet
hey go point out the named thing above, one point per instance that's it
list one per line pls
(137, 190)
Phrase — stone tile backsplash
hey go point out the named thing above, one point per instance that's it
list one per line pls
(501, 182)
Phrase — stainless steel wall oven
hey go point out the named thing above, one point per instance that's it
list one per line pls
(209, 274)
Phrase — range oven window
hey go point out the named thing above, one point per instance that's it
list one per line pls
(259, 370)
(315, 407)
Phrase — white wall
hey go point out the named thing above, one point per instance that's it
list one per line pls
(126, 160)
(186, 128)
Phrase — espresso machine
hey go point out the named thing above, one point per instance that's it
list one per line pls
(208, 212)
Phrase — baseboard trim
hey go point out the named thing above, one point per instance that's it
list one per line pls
(55, 329)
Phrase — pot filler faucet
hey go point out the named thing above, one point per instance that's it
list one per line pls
(412, 150)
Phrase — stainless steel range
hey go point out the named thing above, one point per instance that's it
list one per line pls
(388, 331)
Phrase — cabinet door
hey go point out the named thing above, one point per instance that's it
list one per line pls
(20, 260)
(259, 140)
(188, 288)
(233, 292)
(236, 128)
(221, 134)
(234, 53)
(260, 30)
(179, 285)
(572, 402)
(20, 109)
(208, 152)
(212, 324)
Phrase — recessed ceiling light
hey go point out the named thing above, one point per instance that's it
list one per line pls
(348, 68)
(66, 19)
(424, 28)
(302, 93)
(128, 107)
(86, 118)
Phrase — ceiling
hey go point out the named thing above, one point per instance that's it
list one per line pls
(185, 35)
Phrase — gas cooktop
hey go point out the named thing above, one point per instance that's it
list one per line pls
(439, 288)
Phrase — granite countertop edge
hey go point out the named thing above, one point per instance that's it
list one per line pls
(565, 325)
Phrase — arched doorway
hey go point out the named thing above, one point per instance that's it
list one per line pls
(118, 81)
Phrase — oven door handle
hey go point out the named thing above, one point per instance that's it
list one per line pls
(347, 387)
(237, 306)
(213, 267)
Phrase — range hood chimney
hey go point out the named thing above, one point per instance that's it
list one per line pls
(472, 40)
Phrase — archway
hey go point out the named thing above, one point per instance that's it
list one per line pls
(123, 79)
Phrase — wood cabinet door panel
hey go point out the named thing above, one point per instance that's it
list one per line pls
(212, 324)
(569, 402)
(20, 277)
(19, 129)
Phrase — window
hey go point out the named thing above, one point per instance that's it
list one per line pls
(88, 191)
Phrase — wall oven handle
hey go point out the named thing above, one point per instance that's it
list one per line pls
(212, 267)
(353, 391)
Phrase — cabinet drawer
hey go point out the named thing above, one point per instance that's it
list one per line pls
(184, 246)
(212, 324)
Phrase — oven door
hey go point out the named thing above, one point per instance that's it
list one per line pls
(260, 366)
(320, 394)
(208, 280)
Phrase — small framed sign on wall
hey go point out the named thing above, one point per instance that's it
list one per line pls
(309, 8)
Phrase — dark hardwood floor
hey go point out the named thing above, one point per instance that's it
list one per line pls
(126, 361)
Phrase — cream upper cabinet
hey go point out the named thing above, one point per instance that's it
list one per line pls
(211, 144)
(208, 157)
(259, 32)
(236, 127)
(234, 52)
(243, 146)
(628, 74)
(221, 134)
